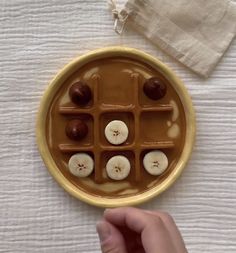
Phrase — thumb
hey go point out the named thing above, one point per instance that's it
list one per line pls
(111, 239)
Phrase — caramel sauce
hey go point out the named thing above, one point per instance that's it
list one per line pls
(117, 87)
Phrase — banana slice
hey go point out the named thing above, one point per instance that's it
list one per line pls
(155, 162)
(116, 132)
(81, 165)
(118, 167)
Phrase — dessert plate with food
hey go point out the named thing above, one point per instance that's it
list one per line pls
(115, 127)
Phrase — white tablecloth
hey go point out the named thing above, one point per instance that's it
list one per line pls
(37, 38)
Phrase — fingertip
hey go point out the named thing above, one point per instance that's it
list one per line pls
(107, 210)
(110, 211)
(116, 216)
(119, 210)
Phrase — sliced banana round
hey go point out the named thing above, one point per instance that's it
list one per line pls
(118, 167)
(155, 162)
(116, 132)
(81, 165)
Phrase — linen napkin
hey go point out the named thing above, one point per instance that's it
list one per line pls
(195, 32)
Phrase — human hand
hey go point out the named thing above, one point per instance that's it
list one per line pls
(126, 230)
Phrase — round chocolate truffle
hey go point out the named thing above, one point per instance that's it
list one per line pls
(154, 88)
(76, 129)
(80, 93)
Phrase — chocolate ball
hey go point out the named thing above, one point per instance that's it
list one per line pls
(76, 129)
(154, 88)
(80, 93)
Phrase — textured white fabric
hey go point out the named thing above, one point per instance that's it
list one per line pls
(195, 32)
(37, 38)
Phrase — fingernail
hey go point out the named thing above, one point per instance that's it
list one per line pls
(103, 230)
(107, 210)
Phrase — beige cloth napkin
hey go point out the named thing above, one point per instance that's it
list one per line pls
(195, 32)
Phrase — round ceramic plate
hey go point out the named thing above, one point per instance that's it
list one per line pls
(116, 77)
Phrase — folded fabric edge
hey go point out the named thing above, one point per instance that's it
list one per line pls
(198, 57)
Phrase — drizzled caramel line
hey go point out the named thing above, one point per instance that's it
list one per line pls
(135, 83)
(68, 148)
(97, 155)
(129, 108)
(74, 111)
(157, 145)
(160, 108)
